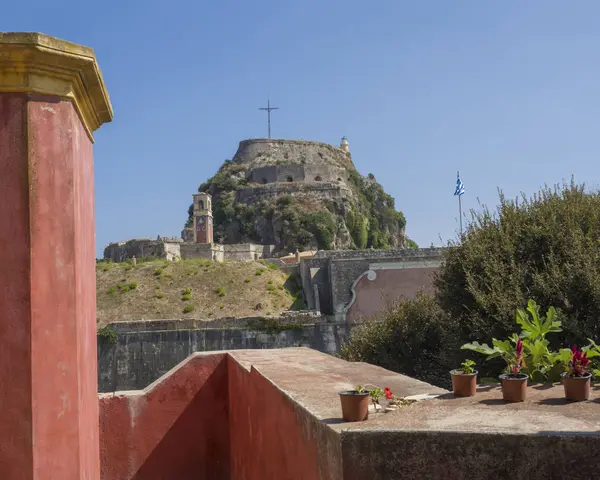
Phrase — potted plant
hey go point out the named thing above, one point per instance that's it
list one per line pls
(577, 379)
(464, 379)
(355, 404)
(514, 383)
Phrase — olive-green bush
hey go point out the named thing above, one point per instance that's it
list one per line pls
(545, 247)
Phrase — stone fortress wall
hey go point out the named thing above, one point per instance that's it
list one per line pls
(174, 249)
(293, 167)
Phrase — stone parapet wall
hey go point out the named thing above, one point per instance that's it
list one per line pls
(435, 252)
(146, 350)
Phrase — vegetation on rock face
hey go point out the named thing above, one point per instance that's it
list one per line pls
(364, 218)
(544, 248)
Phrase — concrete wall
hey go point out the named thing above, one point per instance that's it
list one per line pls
(272, 436)
(335, 273)
(320, 190)
(178, 428)
(146, 350)
(275, 414)
(376, 291)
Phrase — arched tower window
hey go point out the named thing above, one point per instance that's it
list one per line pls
(318, 178)
(201, 204)
(290, 178)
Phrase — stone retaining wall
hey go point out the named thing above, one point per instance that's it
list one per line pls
(146, 350)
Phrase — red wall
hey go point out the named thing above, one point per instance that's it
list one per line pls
(271, 438)
(48, 378)
(373, 296)
(210, 418)
(178, 428)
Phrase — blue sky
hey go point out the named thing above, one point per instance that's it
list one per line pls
(507, 92)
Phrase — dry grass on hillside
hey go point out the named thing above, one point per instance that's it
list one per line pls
(199, 289)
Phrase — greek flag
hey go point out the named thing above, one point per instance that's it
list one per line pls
(460, 188)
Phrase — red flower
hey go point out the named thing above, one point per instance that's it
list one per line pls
(388, 393)
(579, 362)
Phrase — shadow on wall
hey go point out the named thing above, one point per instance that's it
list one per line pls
(191, 452)
(211, 418)
(177, 428)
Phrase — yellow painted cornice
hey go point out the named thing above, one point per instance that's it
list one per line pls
(38, 63)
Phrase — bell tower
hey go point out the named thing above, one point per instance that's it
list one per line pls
(203, 219)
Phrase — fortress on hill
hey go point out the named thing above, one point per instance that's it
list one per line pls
(276, 197)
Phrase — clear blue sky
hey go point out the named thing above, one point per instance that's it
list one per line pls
(507, 92)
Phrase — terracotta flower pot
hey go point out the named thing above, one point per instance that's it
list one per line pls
(355, 406)
(514, 387)
(577, 389)
(464, 384)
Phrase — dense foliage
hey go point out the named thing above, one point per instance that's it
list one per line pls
(415, 337)
(545, 248)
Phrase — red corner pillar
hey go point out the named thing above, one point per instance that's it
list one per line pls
(52, 97)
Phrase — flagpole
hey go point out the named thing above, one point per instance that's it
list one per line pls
(459, 206)
(460, 214)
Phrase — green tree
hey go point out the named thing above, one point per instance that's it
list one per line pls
(415, 337)
(545, 247)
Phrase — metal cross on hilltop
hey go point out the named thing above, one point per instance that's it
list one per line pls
(268, 108)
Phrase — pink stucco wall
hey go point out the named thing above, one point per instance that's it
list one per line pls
(48, 384)
(270, 437)
(212, 418)
(373, 296)
(177, 428)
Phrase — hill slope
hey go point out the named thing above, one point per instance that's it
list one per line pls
(300, 194)
(191, 288)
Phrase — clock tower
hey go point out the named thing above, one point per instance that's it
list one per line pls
(203, 219)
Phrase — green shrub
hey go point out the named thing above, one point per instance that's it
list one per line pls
(160, 295)
(158, 272)
(133, 285)
(186, 291)
(220, 291)
(188, 309)
(259, 272)
(247, 280)
(106, 335)
(186, 298)
(544, 248)
(414, 337)
(112, 291)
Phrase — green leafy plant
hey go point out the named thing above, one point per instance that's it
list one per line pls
(592, 350)
(374, 392)
(106, 335)
(188, 309)
(467, 367)
(529, 351)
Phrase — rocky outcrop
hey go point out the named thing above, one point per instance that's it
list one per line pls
(300, 194)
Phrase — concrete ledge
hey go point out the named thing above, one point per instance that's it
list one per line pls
(283, 421)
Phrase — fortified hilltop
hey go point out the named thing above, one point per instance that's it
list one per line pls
(297, 194)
